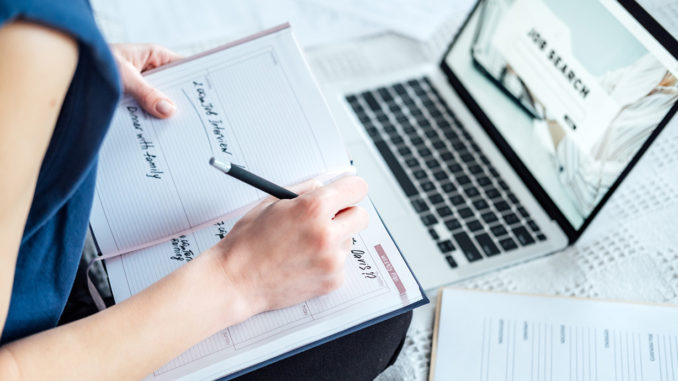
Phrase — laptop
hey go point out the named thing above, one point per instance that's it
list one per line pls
(507, 149)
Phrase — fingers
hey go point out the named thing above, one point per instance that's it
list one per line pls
(343, 193)
(159, 56)
(350, 221)
(151, 99)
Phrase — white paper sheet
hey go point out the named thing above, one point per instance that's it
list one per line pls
(496, 336)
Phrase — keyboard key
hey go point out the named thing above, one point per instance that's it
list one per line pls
(439, 145)
(450, 134)
(432, 163)
(492, 193)
(486, 243)
(410, 130)
(404, 151)
(513, 198)
(446, 246)
(412, 162)
(452, 224)
(420, 205)
(432, 134)
(444, 211)
(457, 200)
(424, 152)
(533, 226)
(503, 185)
(523, 213)
(511, 219)
(467, 247)
(447, 156)
(400, 89)
(463, 179)
(390, 129)
(397, 140)
(448, 187)
(436, 199)
(402, 119)
(427, 186)
(474, 225)
(466, 212)
(508, 244)
(421, 122)
(458, 145)
(429, 219)
(382, 117)
(502, 206)
(373, 132)
(455, 168)
(371, 101)
(416, 140)
(467, 158)
(398, 171)
(433, 233)
(352, 99)
(498, 230)
(440, 176)
(450, 261)
(480, 205)
(419, 174)
(541, 237)
(489, 217)
(471, 192)
(494, 172)
(385, 95)
(523, 236)
(475, 169)
(483, 181)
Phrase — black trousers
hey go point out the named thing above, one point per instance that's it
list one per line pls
(361, 355)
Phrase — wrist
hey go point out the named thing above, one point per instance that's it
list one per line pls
(227, 295)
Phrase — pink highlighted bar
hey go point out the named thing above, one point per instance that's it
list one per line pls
(391, 271)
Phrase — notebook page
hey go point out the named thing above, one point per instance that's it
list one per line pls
(377, 282)
(496, 336)
(254, 104)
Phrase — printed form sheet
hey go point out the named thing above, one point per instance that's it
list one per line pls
(497, 336)
(377, 281)
(253, 104)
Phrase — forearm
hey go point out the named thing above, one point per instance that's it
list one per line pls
(130, 340)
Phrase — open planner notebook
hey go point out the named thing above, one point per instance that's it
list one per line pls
(158, 202)
(499, 336)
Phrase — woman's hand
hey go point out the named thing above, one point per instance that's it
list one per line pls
(134, 59)
(286, 251)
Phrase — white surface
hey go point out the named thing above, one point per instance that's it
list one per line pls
(418, 19)
(629, 252)
(501, 336)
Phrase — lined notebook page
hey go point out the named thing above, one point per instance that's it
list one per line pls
(377, 282)
(496, 336)
(254, 104)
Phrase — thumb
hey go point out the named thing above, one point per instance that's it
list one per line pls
(151, 99)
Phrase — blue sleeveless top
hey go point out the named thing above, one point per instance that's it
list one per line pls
(54, 234)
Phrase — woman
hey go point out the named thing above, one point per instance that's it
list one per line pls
(58, 88)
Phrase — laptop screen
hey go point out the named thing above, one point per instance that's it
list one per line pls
(574, 87)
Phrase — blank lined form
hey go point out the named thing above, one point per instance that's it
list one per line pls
(254, 104)
(497, 336)
(377, 281)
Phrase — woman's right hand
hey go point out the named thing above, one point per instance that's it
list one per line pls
(283, 252)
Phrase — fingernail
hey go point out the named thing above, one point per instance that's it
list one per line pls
(165, 108)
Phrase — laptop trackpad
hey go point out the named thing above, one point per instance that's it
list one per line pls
(384, 191)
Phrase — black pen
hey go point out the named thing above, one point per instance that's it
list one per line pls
(252, 179)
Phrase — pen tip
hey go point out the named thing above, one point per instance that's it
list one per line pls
(212, 159)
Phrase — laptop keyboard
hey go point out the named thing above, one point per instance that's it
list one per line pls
(468, 209)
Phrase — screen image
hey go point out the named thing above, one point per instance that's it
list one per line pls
(570, 87)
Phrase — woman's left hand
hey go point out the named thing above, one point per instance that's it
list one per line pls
(134, 59)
